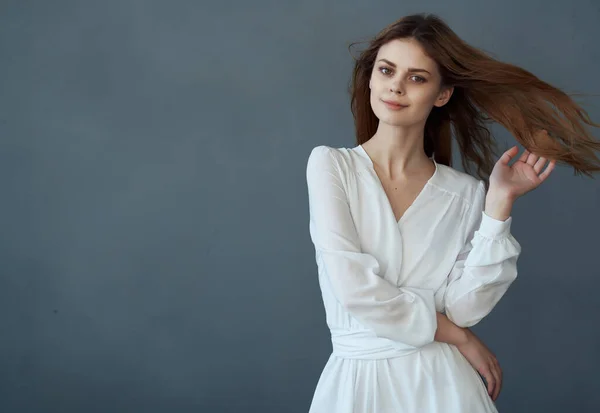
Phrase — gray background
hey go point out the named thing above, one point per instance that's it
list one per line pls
(155, 253)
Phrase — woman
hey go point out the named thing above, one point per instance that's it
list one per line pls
(410, 251)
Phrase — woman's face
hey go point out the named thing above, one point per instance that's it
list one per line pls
(405, 84)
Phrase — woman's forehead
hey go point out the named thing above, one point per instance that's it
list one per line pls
(406, 53)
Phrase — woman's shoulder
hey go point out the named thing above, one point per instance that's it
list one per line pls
(321, 151)
(326, 150)
(459, 183)
(342, 158)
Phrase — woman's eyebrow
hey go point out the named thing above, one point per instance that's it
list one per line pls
(410, 69)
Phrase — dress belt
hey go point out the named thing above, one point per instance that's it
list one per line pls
(364, 344)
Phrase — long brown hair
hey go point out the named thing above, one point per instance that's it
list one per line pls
(485, 90)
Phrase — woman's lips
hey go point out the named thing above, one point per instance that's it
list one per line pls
(393, 105)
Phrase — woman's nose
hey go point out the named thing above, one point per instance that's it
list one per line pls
(397, 87)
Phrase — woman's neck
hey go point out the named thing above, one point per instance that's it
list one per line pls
(398, 151)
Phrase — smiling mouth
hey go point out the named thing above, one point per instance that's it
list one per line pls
(394, 105)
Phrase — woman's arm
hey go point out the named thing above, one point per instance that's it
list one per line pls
(474, 350)
(402, 314)
(486, 265)
(498, 206)
(448, 332)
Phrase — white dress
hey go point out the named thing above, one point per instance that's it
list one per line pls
(383, 281)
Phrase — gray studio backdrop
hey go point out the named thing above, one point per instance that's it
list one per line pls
(155, 254)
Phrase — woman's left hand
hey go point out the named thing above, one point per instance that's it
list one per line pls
(484, 361)
(524, 175)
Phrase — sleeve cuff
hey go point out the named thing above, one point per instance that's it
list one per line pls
(493, 228)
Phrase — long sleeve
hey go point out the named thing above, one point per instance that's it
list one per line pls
(404, 315)
(484, 269)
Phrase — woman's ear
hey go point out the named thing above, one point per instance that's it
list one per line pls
(444, 96)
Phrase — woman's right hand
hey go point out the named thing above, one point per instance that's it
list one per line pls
(484, 361)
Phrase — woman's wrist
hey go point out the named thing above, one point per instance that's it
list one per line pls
(466, 336)
(498, 205)
(448, 332)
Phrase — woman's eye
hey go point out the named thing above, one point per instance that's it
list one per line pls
(417, 79)
(385, 70)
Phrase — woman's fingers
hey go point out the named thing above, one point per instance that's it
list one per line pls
(490, 379)
(497, 373)
(509, 154)
(539, 165)
(547, 171)
(501, 378)
(492, 374)
(532, 159)
(524, 156)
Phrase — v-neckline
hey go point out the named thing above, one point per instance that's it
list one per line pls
(382, 189)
